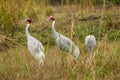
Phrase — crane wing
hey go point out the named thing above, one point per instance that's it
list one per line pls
(64, 43)
(90, 42)
(34, 45)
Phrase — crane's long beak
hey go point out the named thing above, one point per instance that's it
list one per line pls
(48, 19)
(22, 21)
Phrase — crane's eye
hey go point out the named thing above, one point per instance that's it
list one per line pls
(52, 18)
(29, 20)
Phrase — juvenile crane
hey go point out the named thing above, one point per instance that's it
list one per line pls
(35, 47)
(90, 42)
(64, 43)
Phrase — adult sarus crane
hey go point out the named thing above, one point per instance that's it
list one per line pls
(64, 43)
(90, 43)
(35, 47)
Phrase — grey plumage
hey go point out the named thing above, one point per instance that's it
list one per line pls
(35, 47)
(64, 43)
(90, 42)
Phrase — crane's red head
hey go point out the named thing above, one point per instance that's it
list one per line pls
(29, 20)
(52, 18)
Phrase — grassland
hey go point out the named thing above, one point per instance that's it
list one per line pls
(103, 21)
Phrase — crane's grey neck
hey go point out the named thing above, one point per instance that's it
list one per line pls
(26, 30)
(54, 33)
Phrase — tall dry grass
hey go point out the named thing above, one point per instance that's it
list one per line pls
(17, 63)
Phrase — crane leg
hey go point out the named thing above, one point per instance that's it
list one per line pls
(91, 56)
(63, 56)
(71, 60)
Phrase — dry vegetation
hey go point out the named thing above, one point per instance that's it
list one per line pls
(103, 21)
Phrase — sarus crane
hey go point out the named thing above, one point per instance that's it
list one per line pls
(35, 47)
(90, 43)
(64, 43)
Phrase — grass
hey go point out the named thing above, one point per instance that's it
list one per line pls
(16, 62)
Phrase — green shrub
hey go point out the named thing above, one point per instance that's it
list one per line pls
(48, 11)
(117, 1)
